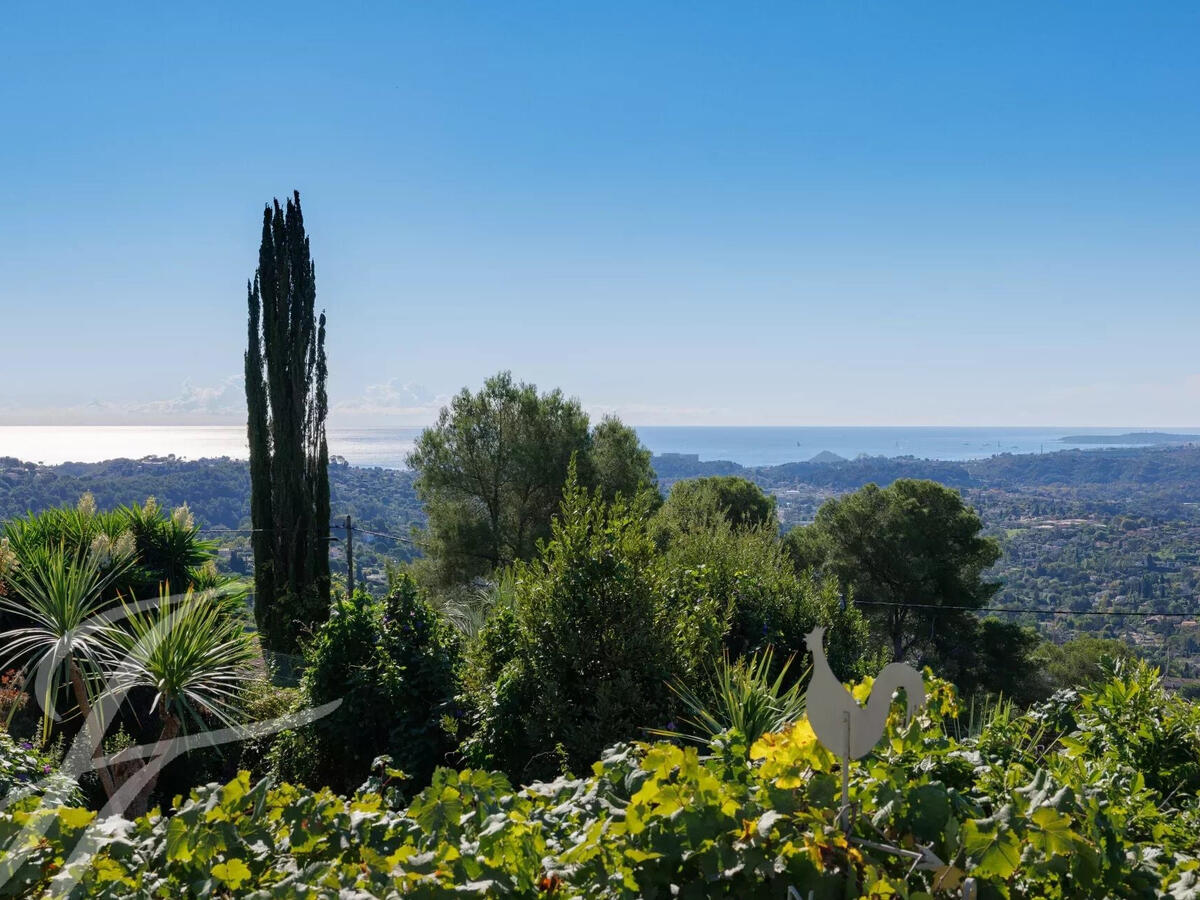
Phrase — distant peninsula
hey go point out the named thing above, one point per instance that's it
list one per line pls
(1141, 438)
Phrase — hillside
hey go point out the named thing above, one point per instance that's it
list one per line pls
(1088, 530)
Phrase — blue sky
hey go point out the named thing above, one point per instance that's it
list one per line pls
(704, 213)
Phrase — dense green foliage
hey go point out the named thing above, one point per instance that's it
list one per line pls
(490, 473)
(696, 502)
(913, 555)
(217, 493)
(289, 459)
(159, 545)
(392, 664)
(619, 464)
(743, 594)
(1089, 530)
(1084, 796)
(81, 627)
(1082, 661)
(994, 658)
(624, 622)
(491, 470)
(582, 657)
(580, 648)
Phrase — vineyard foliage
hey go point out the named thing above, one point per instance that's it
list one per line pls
(1089, 794)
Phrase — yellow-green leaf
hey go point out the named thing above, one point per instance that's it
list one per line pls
(232, 872)
(73, 817)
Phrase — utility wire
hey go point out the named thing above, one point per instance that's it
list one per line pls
(1026, 609)
(1033, 610)
(382, 534)
(338, 525)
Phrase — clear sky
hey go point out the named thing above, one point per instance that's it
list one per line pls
(843, 212)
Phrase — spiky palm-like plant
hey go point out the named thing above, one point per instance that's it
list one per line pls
(72, 527)
(193, 654)
(169, 545)
(60, 598)
(743, 697)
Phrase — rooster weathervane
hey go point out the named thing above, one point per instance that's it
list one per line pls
(851, 731)
(847, 729)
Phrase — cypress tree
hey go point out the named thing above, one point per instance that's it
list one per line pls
(289, 459)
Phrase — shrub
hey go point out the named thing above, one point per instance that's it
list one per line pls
(261, 701)
(582, 658)
(736, 590)
(165, 546)
(1082, 661)
(392, 664)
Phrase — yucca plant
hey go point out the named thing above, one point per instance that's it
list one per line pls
(59, 597)
(169, 545)
(468, 607)
(742, 696)
(72, 527)
(191, 652)
(79, 530)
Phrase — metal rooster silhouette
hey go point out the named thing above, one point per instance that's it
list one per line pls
(838, 721)
(851, 731)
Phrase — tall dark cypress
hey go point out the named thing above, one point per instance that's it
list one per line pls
(289, 459)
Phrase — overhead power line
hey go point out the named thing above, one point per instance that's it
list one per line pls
(1032, 610)
(1028, 609)
(383, 534)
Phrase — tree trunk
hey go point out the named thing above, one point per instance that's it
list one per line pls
(141, 801)
(85, 708)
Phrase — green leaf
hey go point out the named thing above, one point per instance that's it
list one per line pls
(179, 848)
(993, 844)
(73, 817)
(1054, 834)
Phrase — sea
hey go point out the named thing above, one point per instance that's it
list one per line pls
(389, 447)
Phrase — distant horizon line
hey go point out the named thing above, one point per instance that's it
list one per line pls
(362, 427)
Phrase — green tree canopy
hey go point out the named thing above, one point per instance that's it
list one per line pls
(911, 553)
(1081, 661)
(696, 502)
(491, 471)
(992, 657)
(619, 462)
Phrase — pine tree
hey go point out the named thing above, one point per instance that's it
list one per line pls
(289, 459)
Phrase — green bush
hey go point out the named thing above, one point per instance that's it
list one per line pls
(1081, 661)
(736, 590)
(582, 658)
(992, 658)
(261, 701)
(392, 664)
